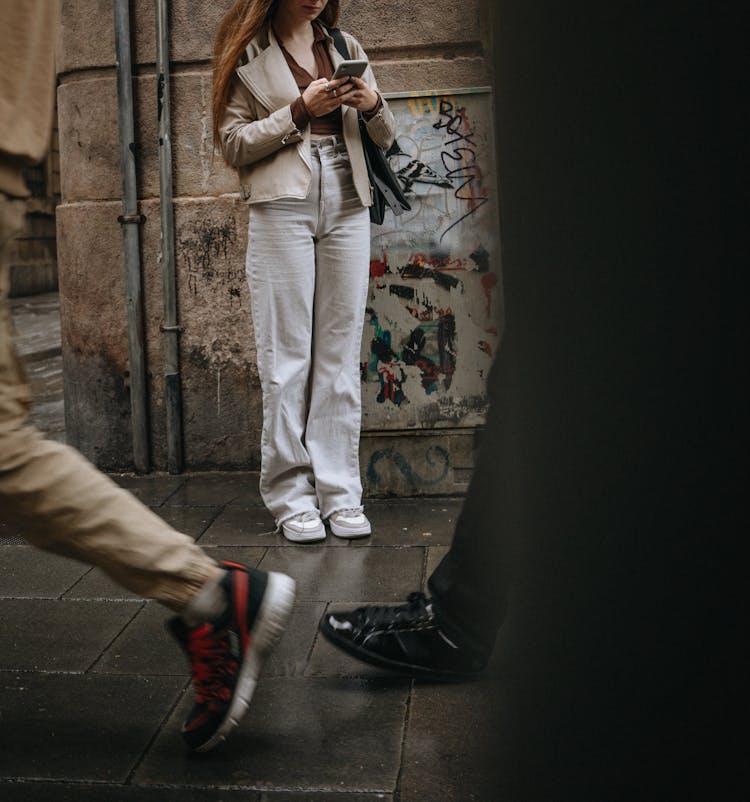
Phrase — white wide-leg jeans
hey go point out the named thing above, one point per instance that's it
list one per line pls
(307, 268)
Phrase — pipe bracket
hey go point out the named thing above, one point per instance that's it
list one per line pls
(131, 218)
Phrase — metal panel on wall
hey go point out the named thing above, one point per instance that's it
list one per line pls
(434, 313)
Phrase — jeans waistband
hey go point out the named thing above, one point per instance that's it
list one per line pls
(327, 142)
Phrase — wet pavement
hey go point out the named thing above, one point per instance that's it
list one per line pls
(94, 692)
(37, 321)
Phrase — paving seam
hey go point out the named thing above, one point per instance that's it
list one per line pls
(157, 732)
(407, 718)
(180, 485)
(129, 622)
(78, 581)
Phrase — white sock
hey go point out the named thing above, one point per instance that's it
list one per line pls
(207, 604)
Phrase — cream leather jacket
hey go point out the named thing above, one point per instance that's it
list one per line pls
(258, 135)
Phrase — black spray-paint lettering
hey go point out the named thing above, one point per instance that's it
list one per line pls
(452, 120)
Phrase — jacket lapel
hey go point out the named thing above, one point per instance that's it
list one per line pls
(269, 78)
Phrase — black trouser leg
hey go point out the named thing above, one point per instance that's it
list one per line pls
(469, 586)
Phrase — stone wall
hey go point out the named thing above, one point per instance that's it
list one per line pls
(422, 46)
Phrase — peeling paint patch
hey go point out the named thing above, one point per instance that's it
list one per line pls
(430, 347)
(481, 259)
(416, 269)
(385, 365)
(417, 349)
(379, 267)
(489, 281)
(402, 291)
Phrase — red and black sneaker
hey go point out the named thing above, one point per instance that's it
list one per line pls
(226, 655)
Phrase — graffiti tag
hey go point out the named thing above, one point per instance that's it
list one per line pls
(459, 159)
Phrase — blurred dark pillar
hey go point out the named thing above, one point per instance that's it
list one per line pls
(621, 415)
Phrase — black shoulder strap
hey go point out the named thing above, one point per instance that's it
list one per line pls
(339, 41)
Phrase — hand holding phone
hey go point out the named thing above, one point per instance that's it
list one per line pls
(351, 68)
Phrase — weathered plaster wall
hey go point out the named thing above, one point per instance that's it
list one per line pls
(422, 46)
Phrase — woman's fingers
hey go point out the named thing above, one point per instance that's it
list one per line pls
(338, 88)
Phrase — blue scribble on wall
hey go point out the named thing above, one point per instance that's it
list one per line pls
(435, 456)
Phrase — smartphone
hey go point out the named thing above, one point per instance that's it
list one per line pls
(353, 67)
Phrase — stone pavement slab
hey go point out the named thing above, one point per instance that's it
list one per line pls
(79, 726)
(193, 521)
(50, 635)
(95, 584)
(326, 735)
(152, 489)
(412, 522)
(447, 744)
(213, 489)
(291, 656)
(434, 555)
(323, 573)
(26, 573)
(143, 647)
(242, 525)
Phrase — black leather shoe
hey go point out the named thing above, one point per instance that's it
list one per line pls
(406, 638)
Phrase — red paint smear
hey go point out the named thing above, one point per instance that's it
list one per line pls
(486, 347)
(489, 280)
(378, 267)
(493, 330)
(442, 263)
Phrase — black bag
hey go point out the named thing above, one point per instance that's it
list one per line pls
(386, 187)
(387, 190)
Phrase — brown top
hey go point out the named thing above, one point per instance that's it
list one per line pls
(329, 123)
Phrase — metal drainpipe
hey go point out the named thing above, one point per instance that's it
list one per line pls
(170, 326)
(130, 221)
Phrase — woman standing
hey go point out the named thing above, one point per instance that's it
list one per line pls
(292, 133)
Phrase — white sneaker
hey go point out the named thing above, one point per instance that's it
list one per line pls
(304, 527)
(350, 523)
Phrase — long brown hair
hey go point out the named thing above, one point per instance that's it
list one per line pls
(240, 24)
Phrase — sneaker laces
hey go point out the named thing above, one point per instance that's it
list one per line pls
(350, 512)
(211, 661)
(389, 616)
(302, 517)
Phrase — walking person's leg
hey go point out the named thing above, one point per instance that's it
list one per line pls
(450, 635)
(229, 616)
(341, 282)
(469, 587)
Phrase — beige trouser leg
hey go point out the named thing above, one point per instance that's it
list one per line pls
(63, 504)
